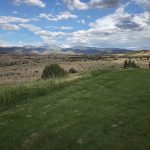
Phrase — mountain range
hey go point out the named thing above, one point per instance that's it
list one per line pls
(95, 50)
(50, 50)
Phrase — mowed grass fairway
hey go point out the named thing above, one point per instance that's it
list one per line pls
(110, 110)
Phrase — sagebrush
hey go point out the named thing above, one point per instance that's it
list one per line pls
(53, 71)
(130, 64)
(72, 70)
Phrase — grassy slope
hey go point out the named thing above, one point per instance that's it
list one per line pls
(110, 111)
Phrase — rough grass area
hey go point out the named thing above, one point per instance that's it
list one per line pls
(11, 95)
(108, 111)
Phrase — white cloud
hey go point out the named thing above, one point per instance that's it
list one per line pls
(143, 3)
(11, 23)
(47, 36)
(39, 3)
(61, 16)
(59, 27)
(120, 29)
(77, 4)
(10, 19)
(9, 27)
(65, 28)
(121, 20)
(104, 23)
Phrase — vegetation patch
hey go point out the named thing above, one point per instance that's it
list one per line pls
(130, 64)
(53, 71)
(109, 110)
(13, 94)
(72, 70)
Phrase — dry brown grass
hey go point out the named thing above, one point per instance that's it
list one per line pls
(32, 70)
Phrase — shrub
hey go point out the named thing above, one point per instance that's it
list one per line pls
(113, 66)
(130, 64)
(72, 70)
(125, 64)
(52, 71)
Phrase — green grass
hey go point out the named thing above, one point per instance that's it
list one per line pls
(11, 95)
(108, 111)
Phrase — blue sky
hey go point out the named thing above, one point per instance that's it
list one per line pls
(67, 23)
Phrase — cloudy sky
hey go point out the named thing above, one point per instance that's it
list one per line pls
(67, 23)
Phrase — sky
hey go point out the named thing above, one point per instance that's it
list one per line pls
(69, 23)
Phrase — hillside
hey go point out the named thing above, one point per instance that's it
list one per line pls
(53, 49)
(95, 50)
(108, 110)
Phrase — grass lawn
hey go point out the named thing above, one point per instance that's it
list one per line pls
(108, 111)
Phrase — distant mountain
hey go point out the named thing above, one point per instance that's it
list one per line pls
(95, 50)
(28, 49)
(54, 49)
(21, 50)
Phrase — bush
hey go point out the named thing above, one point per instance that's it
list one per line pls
(130, 64)
(125, 64)
(72, 70)
(52, 71)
